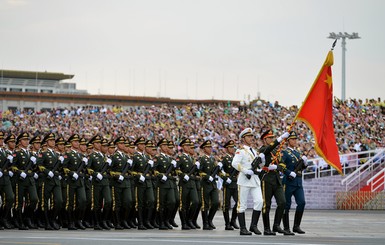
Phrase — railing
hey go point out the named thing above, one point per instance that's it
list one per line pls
(351, 163)
(375, 184)
(361, 173)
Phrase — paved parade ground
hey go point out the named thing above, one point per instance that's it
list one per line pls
(321, 226)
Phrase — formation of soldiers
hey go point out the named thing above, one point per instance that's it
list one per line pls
(52, 183)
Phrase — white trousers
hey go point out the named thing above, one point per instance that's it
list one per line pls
(243, 194)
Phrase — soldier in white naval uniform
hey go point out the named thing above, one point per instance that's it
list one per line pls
(248, 181)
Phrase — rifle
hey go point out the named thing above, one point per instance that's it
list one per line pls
(146, 170)
(233, 172)
(192, 170)
(254, 165)
(5, 166)
(214, 172)
(168, 171)
(80, 168)
(298, 169)
(125, 169)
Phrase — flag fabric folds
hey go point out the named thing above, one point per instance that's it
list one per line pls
(317, 113)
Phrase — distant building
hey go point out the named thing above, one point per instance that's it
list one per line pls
(37, 82)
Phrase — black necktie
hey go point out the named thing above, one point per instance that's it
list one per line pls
(251, 149)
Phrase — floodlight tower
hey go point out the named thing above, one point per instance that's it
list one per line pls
(343, 36)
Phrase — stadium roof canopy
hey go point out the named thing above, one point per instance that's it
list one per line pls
(34, 75)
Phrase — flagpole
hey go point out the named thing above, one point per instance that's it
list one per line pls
(275, 157)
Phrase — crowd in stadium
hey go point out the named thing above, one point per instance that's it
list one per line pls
(359, 125)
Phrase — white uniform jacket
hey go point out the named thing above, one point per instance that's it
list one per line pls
(242, 161)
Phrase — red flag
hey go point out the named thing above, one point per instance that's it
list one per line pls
(316, 112)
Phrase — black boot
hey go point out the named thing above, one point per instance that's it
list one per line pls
(166, 217)
(71, 223)
(54, 222)
(211, 217)
(226, 216)
(254, 222)
(277, 222)
(97, 221)
(125, 218)
(233, 221)
(140, 220)
(162, 226)
(182, 215)
(205, 220)
(147, 220)
(172, 217)
(117, 223)
(286, 226)
(297, 222)
(242, 224)
(266, 223)
(195, 218)
(47, 221)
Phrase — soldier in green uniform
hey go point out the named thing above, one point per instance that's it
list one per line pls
(24, 162)
(174, 181)
(10, 142)
(105, 149)
(164, 166)
(73, 166)
(193, 223)
(122, 201)
(208, 171)
(272, 183)
(88, 217)
(144, 187)
(230, 187)
(97, 167)
(130, 151)
(150, 152)
(35, 149)
(186, 169)
(6, 192)
(60, 151)
(48, 165)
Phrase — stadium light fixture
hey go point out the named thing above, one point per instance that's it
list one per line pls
(343, 36)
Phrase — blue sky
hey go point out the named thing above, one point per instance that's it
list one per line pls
(198, 49)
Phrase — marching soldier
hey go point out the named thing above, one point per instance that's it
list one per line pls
(6, 192)
(122, 201)
(166, 197)
(272, 183)
(88, 217)
(10, 142)
(74, 165)
(97, 167)
(130, 147)
(60, 151)
(208, 171)
(193, 223)
(174, 181)
(144, 187)
(24, 164)
(292, 180)
(49, 164)
(230, 187)
(187, 187)
(150, 152)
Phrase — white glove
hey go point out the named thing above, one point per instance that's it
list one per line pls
(33, 159)
(198, 164)
(1, 174)
(50, 174)
(75, 176)
(10, 158)
(186, 177)
(151, 162)
(173, 162)
(10, 173)
(61, 177)
(164, 178)
(121, 178)
(220, 164)
(90, 178)
(99, 176)
(283, 136)
(228, 181)
(85, 160)
(129, 161)
(248, 172)
(142, 178)
(211, 179)
(35, 176)
(109, 161)
(61, 159)
(292, 174)
(23, 175)
(272, 167)
(304, 158)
